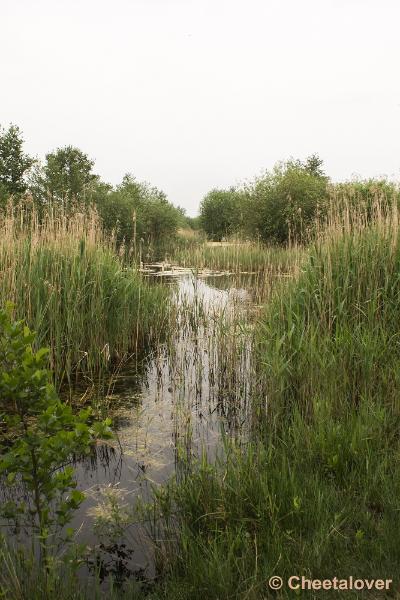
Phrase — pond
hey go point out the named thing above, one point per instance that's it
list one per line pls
(190, 391)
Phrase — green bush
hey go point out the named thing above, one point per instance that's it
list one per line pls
(286, 203)
(139, 215)
(278, 207)
(221, 213)
(39, 436)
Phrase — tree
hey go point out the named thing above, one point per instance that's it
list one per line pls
(68, 175)
(313, 165)
(14, 164)
(220, 213)
(288, 200)
(119, 207)
(193, 222)
(137, 211)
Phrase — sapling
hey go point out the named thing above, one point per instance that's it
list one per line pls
(39, 436)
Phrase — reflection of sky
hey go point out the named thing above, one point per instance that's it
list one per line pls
(215, 293)
(194, 388)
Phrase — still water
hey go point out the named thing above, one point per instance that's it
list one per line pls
(189, 392)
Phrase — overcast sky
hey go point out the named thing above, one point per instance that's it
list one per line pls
(195, 94)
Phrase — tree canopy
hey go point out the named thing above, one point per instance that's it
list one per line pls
(14, 163)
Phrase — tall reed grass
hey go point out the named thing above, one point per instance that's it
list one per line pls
(239, 257)
(67, 280)
(339, 317)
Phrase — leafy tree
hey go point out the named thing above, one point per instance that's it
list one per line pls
(183, 219)
(68, 175)
(278, 206)
(221, 213)
(118, 209)
(313, 165)
(287, 201)
(159, 218)
(14, 164)
(40, 435)
(138, 212)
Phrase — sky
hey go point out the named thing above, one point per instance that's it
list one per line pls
(196, 94)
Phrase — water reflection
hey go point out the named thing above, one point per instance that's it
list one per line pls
(195, 388)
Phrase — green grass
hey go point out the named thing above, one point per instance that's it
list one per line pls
(340, 319)
(70, 285)
(320, 499)
(21, 579)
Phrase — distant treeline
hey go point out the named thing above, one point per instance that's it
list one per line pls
(285, 204)
(288, 203)
(135, 212)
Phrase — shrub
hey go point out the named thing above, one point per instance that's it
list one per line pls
(287, 202)
(40, 435)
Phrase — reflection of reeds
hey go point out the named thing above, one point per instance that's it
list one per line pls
(203, 375)
(68, 282)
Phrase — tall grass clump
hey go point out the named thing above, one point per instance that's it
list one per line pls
(333, 333)
(67, 280)
(318, 500)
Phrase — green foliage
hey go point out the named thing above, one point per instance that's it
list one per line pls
(68, 175)
(220, 213)
(40, 435)
(135, 212)
(340, 319)
(21, 579)
(14, 164)
(315, 489)
(66, 178)
(194, 222)
(286, 202)
(138, 213)
(317, 497)
(66, 287)
(277, 207)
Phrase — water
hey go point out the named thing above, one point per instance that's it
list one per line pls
(194, 389)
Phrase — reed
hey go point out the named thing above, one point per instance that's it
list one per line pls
(339, 317)
(319, 498)
(70, 284)
(239, 257)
